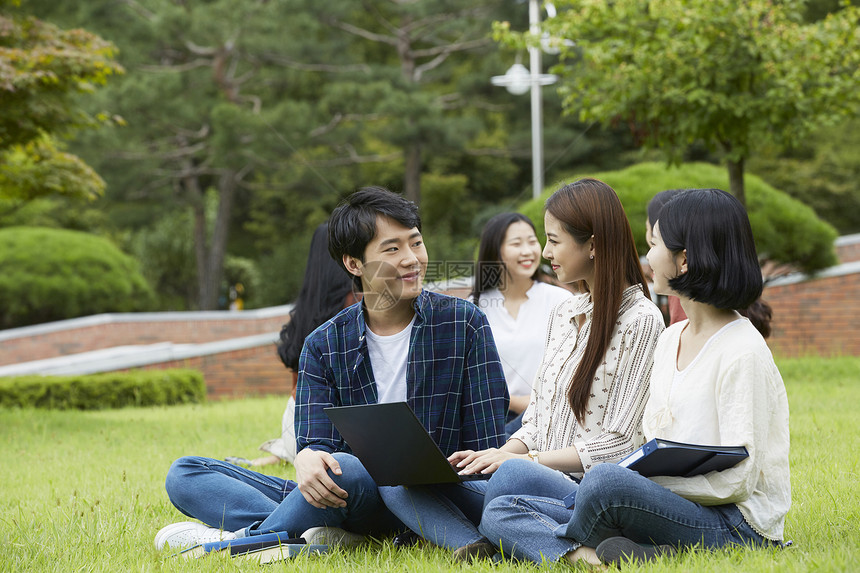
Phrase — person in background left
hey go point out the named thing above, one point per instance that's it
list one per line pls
(515, 294)
(326, 290)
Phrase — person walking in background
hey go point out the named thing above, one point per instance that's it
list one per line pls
(714, 383)
(515, 294)
(591, 386)
(326, 290)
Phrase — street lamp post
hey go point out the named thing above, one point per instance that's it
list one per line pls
(537, 102)
(518, 81)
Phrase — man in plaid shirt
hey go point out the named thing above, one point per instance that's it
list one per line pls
(401, 343)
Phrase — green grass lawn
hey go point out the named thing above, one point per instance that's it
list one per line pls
(84, 491)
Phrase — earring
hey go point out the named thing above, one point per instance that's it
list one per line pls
(592, 257)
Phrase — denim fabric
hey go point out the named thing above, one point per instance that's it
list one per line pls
(229, 497)
(525, 476)
(610, 501)
(526, 529)
(445, 514)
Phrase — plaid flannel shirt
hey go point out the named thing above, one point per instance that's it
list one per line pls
(454, 378)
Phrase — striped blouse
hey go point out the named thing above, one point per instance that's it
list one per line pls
(612, 427)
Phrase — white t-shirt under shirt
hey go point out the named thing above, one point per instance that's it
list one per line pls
(520, 341)
(388, 357)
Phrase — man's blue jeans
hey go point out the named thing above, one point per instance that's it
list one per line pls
(233, 498)
(444, 514)
(525, 513)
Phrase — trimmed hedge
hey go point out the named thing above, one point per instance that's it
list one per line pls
(55, 274)
(785, 230)
(101, 391)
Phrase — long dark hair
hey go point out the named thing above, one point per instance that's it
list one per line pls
(324, 290)
(489, 270)
(587, 208)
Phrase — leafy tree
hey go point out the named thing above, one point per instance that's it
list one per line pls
(731, 74)
(786, 231)
(42, 71)
(38, 169)
(278, 108)
(207, 111)
(54, 274)
(407, 101)
(166, 254)
(822, 172)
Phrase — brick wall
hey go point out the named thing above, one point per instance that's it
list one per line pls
(239, 373)
(848, 248)
(110, 330)
(818, 316)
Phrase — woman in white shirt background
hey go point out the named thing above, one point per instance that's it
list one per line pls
(714, 383)
(591, 385)
(512, 290)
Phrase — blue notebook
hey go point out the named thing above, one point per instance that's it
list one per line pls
(660, 457)
(242, 545)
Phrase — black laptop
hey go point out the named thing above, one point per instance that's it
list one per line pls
(393, 445)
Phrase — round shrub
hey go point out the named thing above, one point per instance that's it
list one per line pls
(55, 274)
(785, 230)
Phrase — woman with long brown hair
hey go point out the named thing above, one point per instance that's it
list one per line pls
(590, 390)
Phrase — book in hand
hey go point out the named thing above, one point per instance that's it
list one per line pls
(660, 457)
(243, 545)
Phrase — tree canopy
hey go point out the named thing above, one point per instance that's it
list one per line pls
(246, 122)
(733, 75)
(43, 70)
(278, 108)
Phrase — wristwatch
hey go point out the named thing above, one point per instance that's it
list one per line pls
(533, 455)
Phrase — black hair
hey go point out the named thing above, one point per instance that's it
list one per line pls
(352, 224)
(490, 270)
(722, 265)
(759, 314)
(324, 290)
(657, 201)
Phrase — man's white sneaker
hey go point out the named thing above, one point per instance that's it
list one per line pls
(188, 534)
(332, 536)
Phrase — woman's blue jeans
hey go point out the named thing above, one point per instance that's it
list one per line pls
(233, 498)
(524, 512)
(444, 514)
